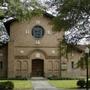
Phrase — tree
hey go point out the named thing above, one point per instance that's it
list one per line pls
(4, 37)
(70, 12)
(73, 15)
(74, 18)
(20, 9)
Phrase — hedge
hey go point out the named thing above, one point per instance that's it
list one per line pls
(8, 85)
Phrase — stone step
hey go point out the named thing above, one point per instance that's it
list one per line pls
(38, 78)
(45, 89)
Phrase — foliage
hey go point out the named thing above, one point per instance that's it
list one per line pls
(20, 84)
(71, 12)
(4, 38)
(1, 14)
(82, 83)
(64, 49)
(21, 10)
(82, 62)
(73, 15)
(53, 77)
(17, 9)
(8, 85)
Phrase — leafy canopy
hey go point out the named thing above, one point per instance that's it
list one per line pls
(73, 13)
(70, 12)
(20, 9)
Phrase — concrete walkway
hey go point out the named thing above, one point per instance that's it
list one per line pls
(41, 84)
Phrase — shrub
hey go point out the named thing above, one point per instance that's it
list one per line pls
(20, 78)
(88, 83)
(2, 87)
(81, 83)
(8, 85)
(53, 77)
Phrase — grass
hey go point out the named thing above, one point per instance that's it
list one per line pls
(64, 83)
(20, 84)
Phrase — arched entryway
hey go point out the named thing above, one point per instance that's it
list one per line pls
(37, 67)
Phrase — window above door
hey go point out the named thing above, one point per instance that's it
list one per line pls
(38, 32)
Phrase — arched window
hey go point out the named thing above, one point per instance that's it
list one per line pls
(18, 69)
(37, 31)
(18, 65)
(25, 66)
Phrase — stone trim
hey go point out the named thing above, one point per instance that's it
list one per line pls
(21, 57)
(37, 50)
(52, 57)
(36, 46)
(27, 57)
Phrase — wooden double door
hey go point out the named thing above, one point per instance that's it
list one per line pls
(37, 67)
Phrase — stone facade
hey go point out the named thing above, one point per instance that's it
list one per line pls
(29, 56)
(24, 48)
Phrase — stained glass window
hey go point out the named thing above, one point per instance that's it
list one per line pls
(38, 31)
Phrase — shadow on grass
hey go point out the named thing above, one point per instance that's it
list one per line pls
(23, 89)
(78, 88)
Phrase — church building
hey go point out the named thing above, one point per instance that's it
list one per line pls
(33, 51)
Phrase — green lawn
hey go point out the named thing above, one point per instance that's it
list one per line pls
(64, 83)
(20, 84)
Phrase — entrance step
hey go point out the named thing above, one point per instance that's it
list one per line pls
(45, 89)
(38, 78)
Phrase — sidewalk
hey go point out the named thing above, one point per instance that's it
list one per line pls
(41, 84)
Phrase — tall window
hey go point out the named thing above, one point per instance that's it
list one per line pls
(38, 32)
(18, 67)
(72, 64)
(1, 65)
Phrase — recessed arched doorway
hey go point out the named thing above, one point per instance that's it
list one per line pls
(37, 67)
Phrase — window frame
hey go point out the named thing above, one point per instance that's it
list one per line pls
(38, 31)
